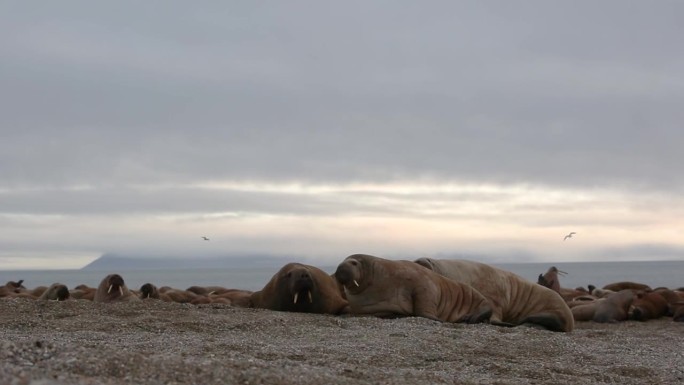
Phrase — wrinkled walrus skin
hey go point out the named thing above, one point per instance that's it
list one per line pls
(386, 288)
(300, 288)
(515, 300)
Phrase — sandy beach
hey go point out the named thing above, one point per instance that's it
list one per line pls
(153, 342)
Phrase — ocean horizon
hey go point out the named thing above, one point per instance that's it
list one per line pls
(653, 273)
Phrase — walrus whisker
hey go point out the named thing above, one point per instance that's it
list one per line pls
(310, 298)
(295, 297)
(356, 283)
(110, 289)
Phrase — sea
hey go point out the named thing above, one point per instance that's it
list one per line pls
(653, 273)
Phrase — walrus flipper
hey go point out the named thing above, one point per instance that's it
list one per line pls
(547, 321)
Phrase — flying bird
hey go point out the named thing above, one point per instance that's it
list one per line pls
(205, 238)
(569, 235)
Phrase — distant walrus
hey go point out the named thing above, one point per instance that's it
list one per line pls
(83, 292)
(617, 286)
(550, 279)
(300, 288)
(112, 288)
(150, 291)
(612, 308)
(649, 305)
(236, 297)
(11, 288)
(515, 300)
(206, 290)
(385, 288)
(56, 292)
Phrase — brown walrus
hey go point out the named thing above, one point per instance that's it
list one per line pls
(206, 290)
(648, 305)
(167, 294)
(56, 292)
(300, 288)
(235, 297)
(385, 288)
(617, 286)
(83, 292)
(112, 288)
(550, 279)
(612, 308)
(515, 300)
(12, 288)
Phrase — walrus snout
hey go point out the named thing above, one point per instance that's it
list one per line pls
(300, 282)
(116, 282)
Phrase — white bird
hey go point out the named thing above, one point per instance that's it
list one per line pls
(569, 235)
(205, 238)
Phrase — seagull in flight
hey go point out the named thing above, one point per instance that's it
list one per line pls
(205, 238)
(569, 235)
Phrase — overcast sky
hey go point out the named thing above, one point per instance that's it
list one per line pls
(322, 129)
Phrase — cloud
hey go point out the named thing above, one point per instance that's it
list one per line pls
(518, 119)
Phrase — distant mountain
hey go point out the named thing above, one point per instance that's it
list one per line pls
(109, 261)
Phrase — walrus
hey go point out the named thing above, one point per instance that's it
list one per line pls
(515, 300)
(235, 297)
(206, 290)
(613, 308)
(56, 292)
(386, 288)
(300, 288)
(11, 288)
(112, 288)
(648, 305)
(550, 279)
(83, 292)
(167, 294)
(617, 286)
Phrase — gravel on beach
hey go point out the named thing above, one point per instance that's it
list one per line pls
(154, 342)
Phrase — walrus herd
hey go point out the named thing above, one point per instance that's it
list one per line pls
(618, 301)
(447, 290)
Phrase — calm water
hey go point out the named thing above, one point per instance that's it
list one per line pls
(658, 273)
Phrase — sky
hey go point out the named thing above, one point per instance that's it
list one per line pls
(316, 130)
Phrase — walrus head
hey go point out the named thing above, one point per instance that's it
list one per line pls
(426, 263)
(16, 287)
(58, 292)
(148, 290)
(115, 285)
(350, 273)
(299, 283)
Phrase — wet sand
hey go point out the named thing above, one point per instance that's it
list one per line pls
(153, 342)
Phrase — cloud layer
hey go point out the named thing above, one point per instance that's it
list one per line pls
(122, 120)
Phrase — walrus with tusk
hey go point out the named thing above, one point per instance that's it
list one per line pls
(112, 288)
(387, 288)
(302, 288)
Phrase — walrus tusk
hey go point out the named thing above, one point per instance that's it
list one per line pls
(295, 298)
(110, 289)
(148, 295)
(356, 283)
(310, 299)
(121, 290)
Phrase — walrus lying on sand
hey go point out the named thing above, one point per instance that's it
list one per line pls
(56, 292)
(385, 288)
(300, 288)
(515, 300)
(649, 305)
(613, 308)
(112, 288)
(617, 286)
